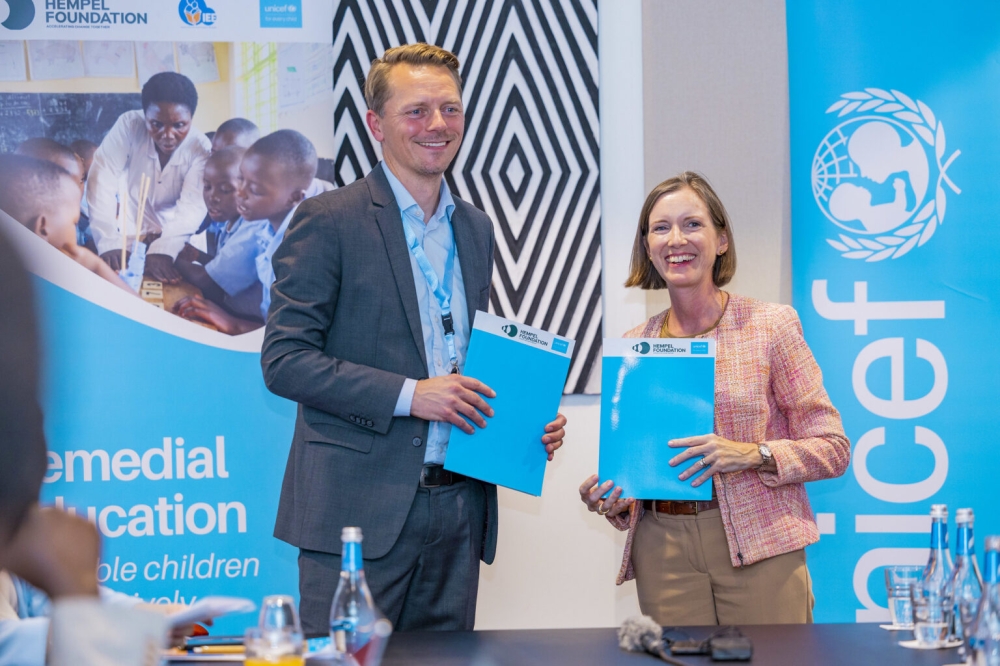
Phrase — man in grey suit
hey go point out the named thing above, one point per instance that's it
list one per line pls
(376, 286)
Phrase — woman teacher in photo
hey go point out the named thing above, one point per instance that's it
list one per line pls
(160, 143)
(739, 558)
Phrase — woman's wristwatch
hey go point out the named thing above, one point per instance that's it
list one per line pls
(768, 459)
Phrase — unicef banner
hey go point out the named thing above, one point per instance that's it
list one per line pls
(159, 425)
(895, 151)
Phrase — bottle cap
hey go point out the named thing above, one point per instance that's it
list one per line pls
(993, 543)
(939, 511)
(350, 535)
(964, 516)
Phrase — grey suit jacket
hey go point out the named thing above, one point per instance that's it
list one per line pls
(343, 333)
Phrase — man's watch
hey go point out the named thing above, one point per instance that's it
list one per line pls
(765, 454)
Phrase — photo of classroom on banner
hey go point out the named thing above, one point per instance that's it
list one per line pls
(163, 173)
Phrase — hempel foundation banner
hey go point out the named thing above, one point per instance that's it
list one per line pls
(159, 426)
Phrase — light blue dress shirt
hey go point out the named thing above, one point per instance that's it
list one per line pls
(268, 241)
(437, 239)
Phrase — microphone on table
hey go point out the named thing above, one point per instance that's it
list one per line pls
(643, 634)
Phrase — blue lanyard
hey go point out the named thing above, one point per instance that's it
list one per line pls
(441, 288)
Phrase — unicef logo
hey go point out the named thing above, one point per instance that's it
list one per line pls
(872, 174)
(196, 12)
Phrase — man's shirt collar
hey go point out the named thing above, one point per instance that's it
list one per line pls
(408, 205)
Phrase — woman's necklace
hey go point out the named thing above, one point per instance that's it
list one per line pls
(665, 331)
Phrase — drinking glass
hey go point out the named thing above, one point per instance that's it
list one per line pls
(277, 639)
(898, 579)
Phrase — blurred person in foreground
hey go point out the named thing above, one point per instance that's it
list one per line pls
(52, 550)
(739, 558)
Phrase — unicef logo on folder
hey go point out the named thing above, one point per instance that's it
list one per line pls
(879, 174)
(699, 347)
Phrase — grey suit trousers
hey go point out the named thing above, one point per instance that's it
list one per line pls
(429, 579)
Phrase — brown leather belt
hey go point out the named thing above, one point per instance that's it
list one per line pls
(673, 508)
(434, 476)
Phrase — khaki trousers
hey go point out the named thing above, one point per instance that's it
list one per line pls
(684, 576)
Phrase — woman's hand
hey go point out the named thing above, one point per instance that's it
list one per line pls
(591, 492)
(718, 454)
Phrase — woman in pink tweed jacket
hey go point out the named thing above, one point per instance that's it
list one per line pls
(738, 559)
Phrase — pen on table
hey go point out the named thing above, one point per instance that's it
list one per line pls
(218, 649)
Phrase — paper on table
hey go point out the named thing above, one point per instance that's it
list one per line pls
(527, 368)
(209, 608)
(652, 391)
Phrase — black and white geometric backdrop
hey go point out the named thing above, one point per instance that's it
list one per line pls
(530, 154)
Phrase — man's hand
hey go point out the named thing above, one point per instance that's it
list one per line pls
(113, 258)
(554, 434)
(161, 267)
(55, 552)
(448, 397)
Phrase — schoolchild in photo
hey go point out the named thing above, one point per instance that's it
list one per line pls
(275, 174)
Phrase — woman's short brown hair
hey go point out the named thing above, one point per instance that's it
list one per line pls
(419, 54)
(642, 273)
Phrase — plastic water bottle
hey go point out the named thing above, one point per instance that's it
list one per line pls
(967, 582)
(986, 628)
(939, 567)
(353, 613)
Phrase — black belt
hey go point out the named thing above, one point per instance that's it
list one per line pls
(433, 476)
(673, 508)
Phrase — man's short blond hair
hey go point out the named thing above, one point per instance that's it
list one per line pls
(418, 55)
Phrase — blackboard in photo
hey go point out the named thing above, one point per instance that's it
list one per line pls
(63, 117)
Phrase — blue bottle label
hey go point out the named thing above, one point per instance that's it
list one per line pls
(939, 536)
(351, 557)
(992, 562)
(963, 540)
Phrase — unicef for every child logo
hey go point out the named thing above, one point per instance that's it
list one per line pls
(871, 174)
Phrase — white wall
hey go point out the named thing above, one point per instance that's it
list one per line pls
(685, 84)
(715, 85)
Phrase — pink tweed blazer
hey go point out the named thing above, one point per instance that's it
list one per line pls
(768, 388)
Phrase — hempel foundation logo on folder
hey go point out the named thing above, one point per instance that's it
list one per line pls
(653, 391)
(527, 368)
